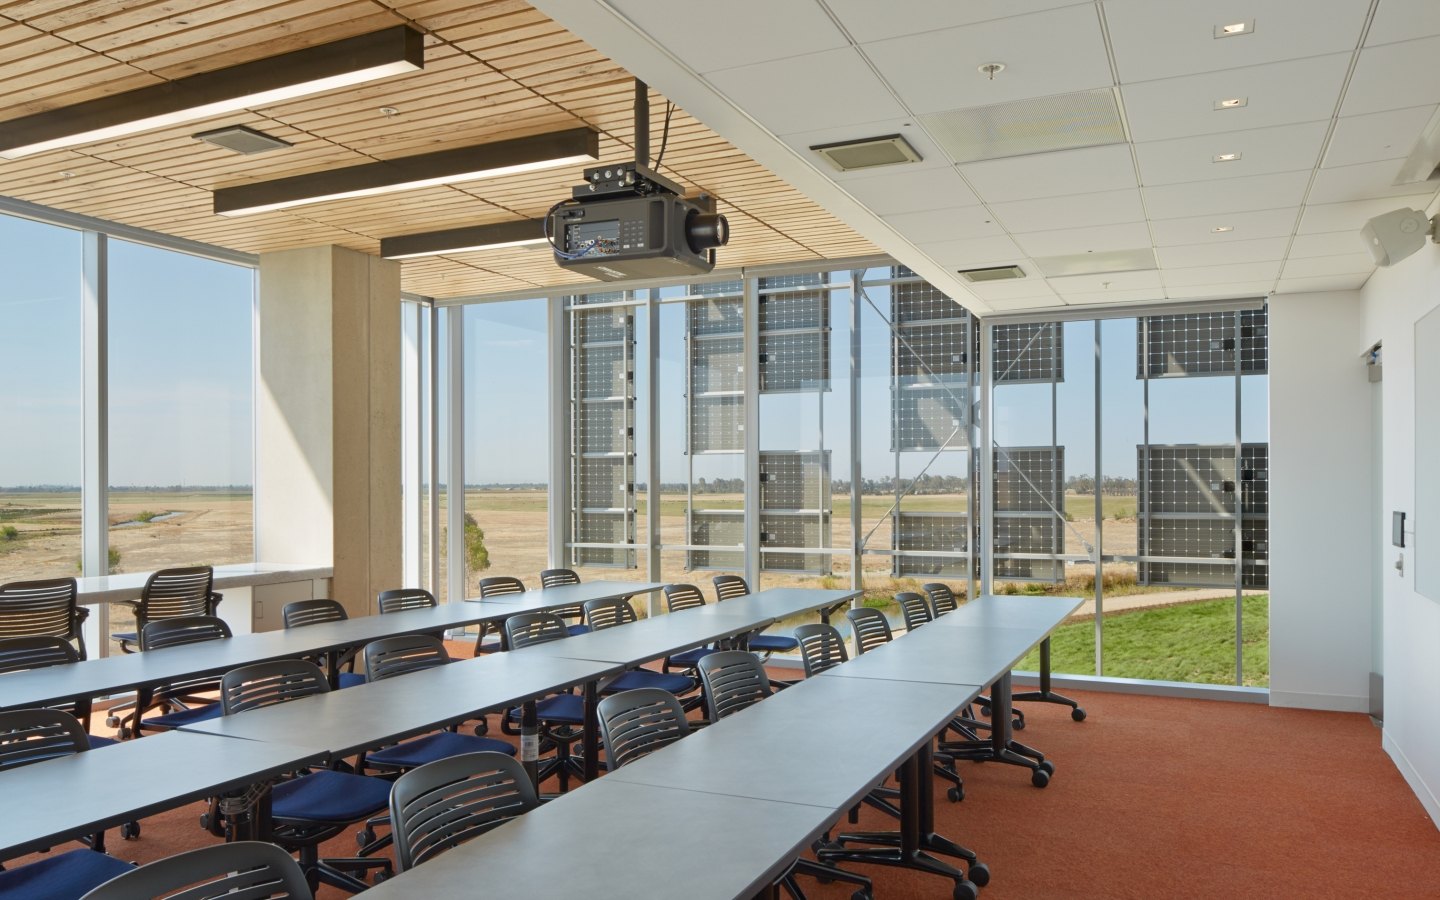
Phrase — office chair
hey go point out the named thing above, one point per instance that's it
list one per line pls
(249, 869)
(602, 614)
(43, 608)
(34, 735)
(446, 803)
(312, 808)
(495, 586)
(169, 594)
(942, 601)
(299, 613)
(680, 597)
(401, 599)
(559, 578)
(736, 680)
(636, 723)
(20, 654)
(731, 586)
(821, 648)
(391, 657)
(561, 716)
(914, 608)
(179, 695)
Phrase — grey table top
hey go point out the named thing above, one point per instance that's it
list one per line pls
(650, 639)
(779, 603)
(823, 742)
(382, 712)
(620, 841)
(957, 656)
(52, 801)
(1012, 612)
(568, 594)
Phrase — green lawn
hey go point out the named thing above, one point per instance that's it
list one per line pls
(1192, 642)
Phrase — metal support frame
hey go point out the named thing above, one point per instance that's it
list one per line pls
(652, 442)
(751, 318)
(432, 447)
(856, 509)
(412, 466)
(1099, 527)
(95, 414)
(557, 344)
(987, 457)
(455, 482)
(1239, 517)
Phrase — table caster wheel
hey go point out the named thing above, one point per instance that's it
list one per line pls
(380, 876)
(482, 729)
(1048, 766)
(980, 874)
(1039, 777)
(955, 794)
(965, 890)
(1077, 714)
(130, 830)
(364, 837)
(985, 711)
(1018, 724)
(863, 894)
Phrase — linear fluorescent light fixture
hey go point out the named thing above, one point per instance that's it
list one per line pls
(509, 157)
(262, 82)
(522, 233)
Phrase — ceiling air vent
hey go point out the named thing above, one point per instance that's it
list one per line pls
(993, 273)
(1039, 125)
(242, 139)
(868, 153)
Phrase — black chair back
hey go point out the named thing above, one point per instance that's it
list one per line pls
(21, 654)
(445, 803)
(728, 586)
(247, 869)
(35, 735)
(608, 613)
(870, 627)
(634, 724)
(683, 596)
(821, 647)
(393, 656)
(527, 629)
(299, 613)
(500, 585)
(558, 578)
(266, 684)
(942, 599)
(48, 608)
(182, 630)
(176, 593)
(734, 680)
(914, 608)
(402, 599)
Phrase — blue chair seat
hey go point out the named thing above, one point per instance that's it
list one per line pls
(432, 747)
(577, 629)
(567, 709)
(644, 678)
(773, 643)
(128, 637)
(328, 796)
(64, 876)
(186, 716)
(689, 659)
(96, 742)
(350, 679)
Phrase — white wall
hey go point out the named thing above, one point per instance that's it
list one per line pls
(1320, 503)
(1394, 299)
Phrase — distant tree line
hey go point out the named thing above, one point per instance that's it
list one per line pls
(1111, 485)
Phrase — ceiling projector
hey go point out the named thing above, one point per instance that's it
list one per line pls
(1395, 235)
(627, 221)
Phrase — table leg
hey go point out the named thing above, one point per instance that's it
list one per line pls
(530, 741)
(1045, 695)
(590, 741)
(332, 668)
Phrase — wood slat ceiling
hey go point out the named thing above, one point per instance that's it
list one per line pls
(494, 69)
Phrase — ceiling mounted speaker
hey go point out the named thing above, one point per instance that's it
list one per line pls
(868, 153)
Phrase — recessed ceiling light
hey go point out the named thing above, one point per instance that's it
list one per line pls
(1221, 229)
(1234, 29)
(1227, 157)
(1232, 103)
(389, 111)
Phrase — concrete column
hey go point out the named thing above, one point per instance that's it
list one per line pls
(327, 418)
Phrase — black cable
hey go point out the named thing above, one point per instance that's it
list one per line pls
(664, 134)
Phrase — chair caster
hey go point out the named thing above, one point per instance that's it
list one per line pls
(1077, 714)
(112, 721)
(985, 711)
(379, 876)
(129, 830)
(979, 874)
(1017, 724)
(1039, 777)
(965, 890)
(955, 795)
(863, 894)
(482, 729)
(1048, 766)
(364, 837)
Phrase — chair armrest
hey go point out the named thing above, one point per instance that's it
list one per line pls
(134, 605)
(215, 601)
(81, 614)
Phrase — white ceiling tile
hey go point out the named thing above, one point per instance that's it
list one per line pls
(867, 20)
(1222, 291)
(806, 93)
(1026, 303)
(1091, 170)
(1394, 76)
(1282, 93)
(1066, 241)
(1363, 182)
(1323, 283)
(1285, 148)
(912, 191)
(1231, 195)
(1107, 297)
(1236, 272)
(1246, 226)
(1053, 52)
(1334, 243)
(1162, 38)
(1193, 255)
(731, 40)
(1352, 216)
(1075, 211)
(966, 254)
(946, 224)
(1342, 264)
(1382, 135)
(1029, 286)
(1403, 20)
(931, 157)
(1111, 281)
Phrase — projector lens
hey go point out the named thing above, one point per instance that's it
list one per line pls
(706, 231)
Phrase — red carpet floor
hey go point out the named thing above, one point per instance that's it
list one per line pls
(1152, 798)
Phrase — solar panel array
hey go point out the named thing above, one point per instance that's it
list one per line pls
(1203, 344)
(1189, 496)
(603, 430)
